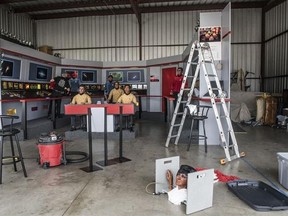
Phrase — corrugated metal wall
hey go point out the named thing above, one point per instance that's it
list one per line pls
(103, 38)
(17, 24)
(167, 34)
(116, 38)
(276, 49)
(246, 45)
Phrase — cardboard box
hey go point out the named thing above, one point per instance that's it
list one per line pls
(46, 49)
(283, 168)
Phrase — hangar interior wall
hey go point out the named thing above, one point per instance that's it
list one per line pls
(275, 77)
(116, 38)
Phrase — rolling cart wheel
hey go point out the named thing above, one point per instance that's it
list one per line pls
(46, 165)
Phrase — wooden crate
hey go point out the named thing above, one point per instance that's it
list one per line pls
(46, 49)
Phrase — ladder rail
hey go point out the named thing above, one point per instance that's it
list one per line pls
(179, 99)
(204, 62)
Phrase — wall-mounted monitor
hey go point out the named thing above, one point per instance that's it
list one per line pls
(117, 75)
(7, 68)
(41, 73)
(88, 76)
(10, 68)
(133, 76)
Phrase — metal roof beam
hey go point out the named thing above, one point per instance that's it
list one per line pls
(105, 12)
(157, 9)
(273, 3)
(13, 1)
(69, 5)
(135, 7)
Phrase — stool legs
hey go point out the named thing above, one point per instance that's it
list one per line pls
(1, 156)
(13, 153)
(190, 136)
(20, 155)
(205, 137)
(202, 136)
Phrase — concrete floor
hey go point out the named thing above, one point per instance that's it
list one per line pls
(120, 189)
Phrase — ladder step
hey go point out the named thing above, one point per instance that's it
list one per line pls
(183, 101)
(177, 125)
(186, 89)
(207, 61)
(211, 75)
(172, 136)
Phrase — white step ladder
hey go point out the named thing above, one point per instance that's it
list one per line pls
(201, 57)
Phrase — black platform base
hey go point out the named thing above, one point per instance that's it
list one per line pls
(91, 169)
(113, 161)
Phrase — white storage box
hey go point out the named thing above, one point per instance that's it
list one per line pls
(283, 168)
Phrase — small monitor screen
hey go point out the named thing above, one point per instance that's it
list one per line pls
(7, 68)
(133, 76)
(41, 73)
(134, 86)
(88, 76)
(140, 87)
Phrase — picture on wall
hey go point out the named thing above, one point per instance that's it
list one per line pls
(210, 34)
(117, 75)
(133, 76)
(88, 76)
(7, 68)
(41, 73)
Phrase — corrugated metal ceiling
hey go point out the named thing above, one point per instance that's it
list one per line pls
(50, 9)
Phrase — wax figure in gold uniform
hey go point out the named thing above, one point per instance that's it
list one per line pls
(128, 98)
(81, 98)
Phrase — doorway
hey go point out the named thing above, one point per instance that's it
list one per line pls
(168, 75)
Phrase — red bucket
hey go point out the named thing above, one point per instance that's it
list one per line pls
(50, 152)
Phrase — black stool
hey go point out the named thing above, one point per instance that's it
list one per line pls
(9, 131)
(200, 114)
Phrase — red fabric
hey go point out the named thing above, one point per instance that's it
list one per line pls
(52, 84)
(221, 177)
(176, 84)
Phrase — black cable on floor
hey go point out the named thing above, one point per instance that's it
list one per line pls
(77, 160)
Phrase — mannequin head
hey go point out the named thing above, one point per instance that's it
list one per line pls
(179, 71)
(182, 176)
